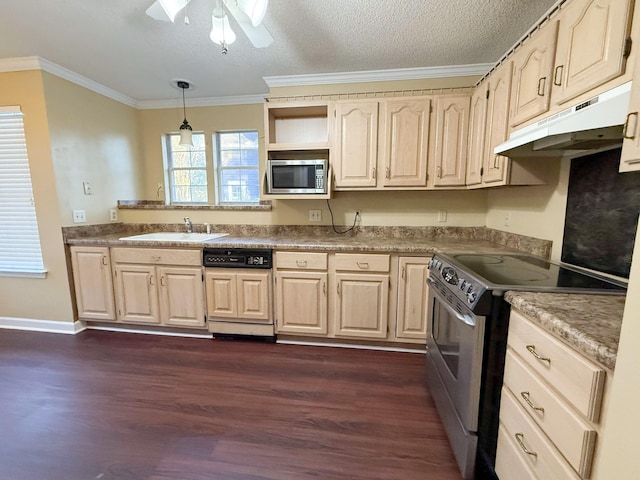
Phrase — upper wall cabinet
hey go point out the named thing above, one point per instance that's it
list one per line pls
(450, 143)
(592, 46)
(381, 143)
(476, 140)
(355, 156)
(532, 72)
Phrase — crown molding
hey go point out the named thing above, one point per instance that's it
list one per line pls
(203, 102)
(38, 63)
(379, 75)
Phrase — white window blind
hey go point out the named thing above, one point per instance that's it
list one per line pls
(20, 252)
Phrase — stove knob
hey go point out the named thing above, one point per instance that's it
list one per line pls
(463, 285)
(430, 264)
(471, 297)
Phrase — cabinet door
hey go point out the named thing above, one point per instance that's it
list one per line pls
(495, 167)
(452, 131)
(221, 293)
(181, 296)
(477, 120)
(405, 142)
(137, 293)
(93, 284)
(361, 306)
(412, 298)
(301, 302)
(253, 296)
(591, 46)
(630, 158)
(356, 144)
(532, 72)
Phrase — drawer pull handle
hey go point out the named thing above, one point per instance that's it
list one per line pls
(525, 395)
(324, 288)
(156, 258)
(403, 271)
(151, 280)
(339, 292)
(532, 351)
(387, 173)
(104, 260)
(363, 264)
(519, 437)
(162, 281)
(301, 263)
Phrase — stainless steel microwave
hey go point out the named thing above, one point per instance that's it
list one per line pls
(297, 177)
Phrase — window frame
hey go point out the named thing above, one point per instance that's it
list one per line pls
(168, 154)
(218, 168)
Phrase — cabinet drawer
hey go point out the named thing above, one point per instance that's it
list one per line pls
(301, 260)
(362, 262)
(157, 256)
(520, 431)
(573, 436)
(577, 379)
(510, 464)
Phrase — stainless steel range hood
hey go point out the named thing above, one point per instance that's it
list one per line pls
(591, 125)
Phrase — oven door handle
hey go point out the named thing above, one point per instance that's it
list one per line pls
(466, 319)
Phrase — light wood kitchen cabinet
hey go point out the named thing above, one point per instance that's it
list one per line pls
(630, 158)
(301, 293)
(450, 143)
(532, 74)
(592, 46)
(362, 295)
(159, 286)
(93, 283)
(405, 141)
(355, 159)
(413, 291)
(495, 167)
(381, 143)
(550, 406)
(477, 129)
(232, 294)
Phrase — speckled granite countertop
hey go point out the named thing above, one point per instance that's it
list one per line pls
(589, 323)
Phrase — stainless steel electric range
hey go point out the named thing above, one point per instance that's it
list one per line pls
(466, 341)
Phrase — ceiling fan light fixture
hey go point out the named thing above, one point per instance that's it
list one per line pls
(254, 9)
(221, 32)
(186, 131)
(172, 7)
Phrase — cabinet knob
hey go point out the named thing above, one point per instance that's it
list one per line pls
(104, 260)
(387, 173)
(542, 81)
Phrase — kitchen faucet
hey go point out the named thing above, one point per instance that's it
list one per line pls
(188, 224)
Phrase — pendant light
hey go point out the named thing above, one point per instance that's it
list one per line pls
(185, 129)
(221, 32)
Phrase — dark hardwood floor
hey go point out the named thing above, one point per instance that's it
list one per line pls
(104, 405)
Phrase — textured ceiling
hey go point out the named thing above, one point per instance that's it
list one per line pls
(117, 45)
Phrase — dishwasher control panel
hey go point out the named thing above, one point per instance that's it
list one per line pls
(237, 257)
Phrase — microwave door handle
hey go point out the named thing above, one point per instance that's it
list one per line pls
(466, 319)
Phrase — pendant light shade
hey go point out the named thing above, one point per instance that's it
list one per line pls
(185, 129)
(254, 9)
(221, 33)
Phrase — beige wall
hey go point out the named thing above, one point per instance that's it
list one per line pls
(93, 139)
(536, 211)
(30, 298)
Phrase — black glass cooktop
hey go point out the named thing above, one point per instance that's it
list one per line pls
(523, 271)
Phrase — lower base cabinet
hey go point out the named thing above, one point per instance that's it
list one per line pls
(93, 283)
(361, 306)
(413, 289)
(159, 287)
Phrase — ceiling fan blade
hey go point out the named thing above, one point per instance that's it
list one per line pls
(166, 10)
(259, 36)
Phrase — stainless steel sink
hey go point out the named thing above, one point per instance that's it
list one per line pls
(175, 237)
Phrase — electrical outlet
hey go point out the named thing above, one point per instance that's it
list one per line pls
(79, 216)
(507, 219)
(315, 215)
(113, 215)
(442, 215)
(86, 186)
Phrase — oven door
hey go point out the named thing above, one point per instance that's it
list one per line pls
(455, 346)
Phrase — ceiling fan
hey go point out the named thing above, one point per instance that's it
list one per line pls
(247, 13)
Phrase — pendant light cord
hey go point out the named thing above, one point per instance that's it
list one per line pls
(184, 106)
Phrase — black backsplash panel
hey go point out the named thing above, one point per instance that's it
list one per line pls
(602, 214)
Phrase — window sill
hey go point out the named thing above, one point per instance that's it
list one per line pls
(160, 205)
(10, 273)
